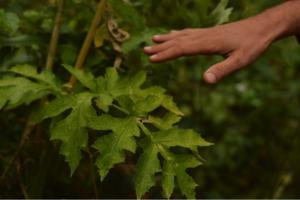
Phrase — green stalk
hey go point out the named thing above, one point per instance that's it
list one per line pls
(55, 36)
(88, 40)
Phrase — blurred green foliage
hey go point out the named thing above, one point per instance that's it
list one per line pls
(252, 116)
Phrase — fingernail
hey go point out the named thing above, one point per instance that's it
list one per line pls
(148, 48)
(156, 36)
(210, 78)
(174, 31)
(153, 57)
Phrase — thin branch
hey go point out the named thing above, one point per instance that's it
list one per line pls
(88, 40)
(55, 36)
(27, 131)
(19, 176)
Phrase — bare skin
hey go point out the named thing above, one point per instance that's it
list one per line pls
(240, 42)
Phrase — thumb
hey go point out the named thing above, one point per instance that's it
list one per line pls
(220, 70)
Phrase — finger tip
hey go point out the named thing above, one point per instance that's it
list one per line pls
(147, 50)
(154, 58)
(156, 38)
(210, 78)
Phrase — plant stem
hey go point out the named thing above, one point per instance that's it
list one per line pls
(55, 36)
(88, 40)
(120, 109)
(145, 130)
(27, 131)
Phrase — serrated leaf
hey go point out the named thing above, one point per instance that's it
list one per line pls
(112, 146)
(221, 13)
(176, 168)
(101, 35)
(72, 130)
(3, 97)
(148, 104)
(9, 23)
(148, 165)
(104, 101)
(179, 137)
(54, 108)
(170, 105)
(168, 179)
(111, 78)
(138, 39)
(45, 77)
(87, 79)
(128, 85)
(174, 165)
(22, 91)
(166, 122)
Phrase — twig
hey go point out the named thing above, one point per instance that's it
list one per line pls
(27, 131)
(19, 175)
(285, 181)
(88, 40)
(55, 36)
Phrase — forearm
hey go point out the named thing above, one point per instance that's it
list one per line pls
(283, 20)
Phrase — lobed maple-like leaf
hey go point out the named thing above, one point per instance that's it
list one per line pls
(221, 13)
(147, 166)
(72, 130)
(113, 145)
(174, 166)
(45, 77)
(27, 86)
(16, 91)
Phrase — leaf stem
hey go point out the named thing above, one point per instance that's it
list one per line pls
(145, 129)
(88, 40)
(120, 109)
(55, 36)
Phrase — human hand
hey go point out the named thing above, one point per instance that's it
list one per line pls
(240, 42)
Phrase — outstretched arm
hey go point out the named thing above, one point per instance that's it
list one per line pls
(241, 42)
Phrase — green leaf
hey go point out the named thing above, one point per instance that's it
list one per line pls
(111, 78)
(54, 108)
(129, 85)
(3, 97)
(170, 105)
(128, 14)
(112, 146)
(168, 179)
(148, 104)
(72, 131)
(176, 168)
(9, 22)
(138, 39)
(175, 165)
(103, 102)
(221, 13)
(148, 165)
(22, 91)
(166, 122)
(179, 137)
(101, 35)
(87, 79)
(45, 77)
